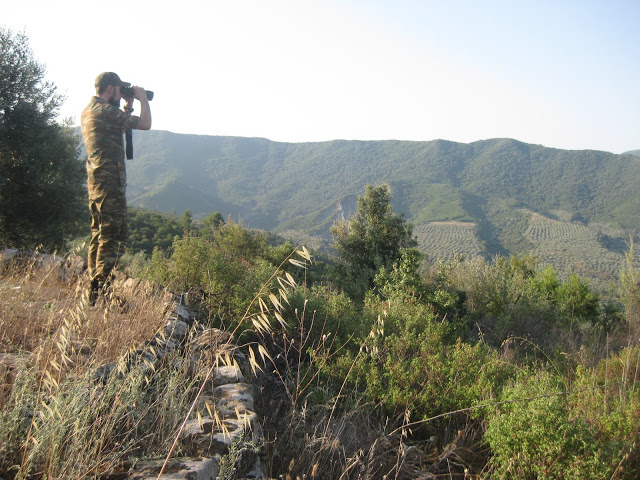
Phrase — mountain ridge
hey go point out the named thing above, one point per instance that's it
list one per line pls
(242, 174)
(295, 187)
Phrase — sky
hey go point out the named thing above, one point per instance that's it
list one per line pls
(563, 74)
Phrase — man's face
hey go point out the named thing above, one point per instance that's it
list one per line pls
(115, 97)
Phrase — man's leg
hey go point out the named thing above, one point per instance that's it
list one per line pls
(111, 236)
(94, 243)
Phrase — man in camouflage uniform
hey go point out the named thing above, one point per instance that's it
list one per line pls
(103, 125)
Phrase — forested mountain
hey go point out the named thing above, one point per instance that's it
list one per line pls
(496, 196)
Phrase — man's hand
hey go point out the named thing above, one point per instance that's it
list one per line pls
(145, 112)
(139, 93)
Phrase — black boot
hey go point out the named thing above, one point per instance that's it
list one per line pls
(94, 292)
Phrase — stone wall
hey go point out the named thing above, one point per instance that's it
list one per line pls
(222, 437)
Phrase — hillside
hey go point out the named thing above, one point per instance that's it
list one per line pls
(471, 371)
(488, 190)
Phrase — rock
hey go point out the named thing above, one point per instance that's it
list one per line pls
(232, 398)
(176, 329)
(182, 469)
(211, 338)
(102, 373)
(7, 255)
(181, 313)
(72, 268)
(205, 437)
(256, 472)
(197, 426)
(248, 425)
(225, 423)
(8, 367)
(226, 375)
(8, 361)
(135, 287)
(48, 261)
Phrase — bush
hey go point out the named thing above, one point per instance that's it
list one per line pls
(371, 239)
(545, 431)
(321, 311)
(223, 270)
(413, 361)
(509, 296)
(149, 229)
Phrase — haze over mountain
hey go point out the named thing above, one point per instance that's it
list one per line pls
(488, 197)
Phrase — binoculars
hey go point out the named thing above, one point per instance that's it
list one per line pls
(128, 92)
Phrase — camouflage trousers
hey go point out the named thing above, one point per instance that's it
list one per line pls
(108, 232)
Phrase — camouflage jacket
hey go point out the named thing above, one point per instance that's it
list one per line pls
(103, 126)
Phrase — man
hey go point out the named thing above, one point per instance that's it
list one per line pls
(103, 125)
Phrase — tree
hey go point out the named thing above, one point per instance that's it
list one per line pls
(372, 239)
(186, 221)
(213, 221)
(42, 194)
(149, 229)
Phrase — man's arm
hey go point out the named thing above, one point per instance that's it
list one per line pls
(145, 110)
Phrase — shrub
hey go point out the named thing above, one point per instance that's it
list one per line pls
(544, 431)
(509, 296)
(411, 362)
(324, 312)
(371, 239)
(223, 269)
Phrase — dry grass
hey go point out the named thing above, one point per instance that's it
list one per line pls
(56, 422)
(47, 322)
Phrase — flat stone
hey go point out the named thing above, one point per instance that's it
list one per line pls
(176, 329)
(145, 355)
(8, 360)
(48, 260)
(226, 375)
(232, 398)
(203, 401)
(205, 437)
(247, 423)
(256, 472)
(211, 338)
(182, 313)
(8, 253)
(203, 426)
(72, 268)
(102, 373)
(197, 468)
(163, 347)
(143, 288)
(222, 440)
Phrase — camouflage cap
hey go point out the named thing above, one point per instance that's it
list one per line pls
(109, 78)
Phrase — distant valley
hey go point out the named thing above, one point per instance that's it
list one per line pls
(573, 209)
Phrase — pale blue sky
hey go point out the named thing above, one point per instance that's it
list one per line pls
(563, 74)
